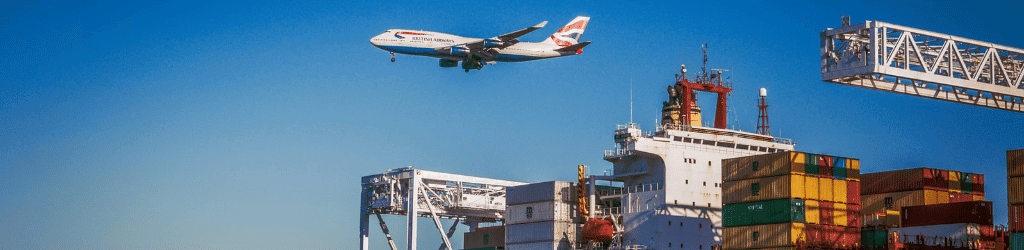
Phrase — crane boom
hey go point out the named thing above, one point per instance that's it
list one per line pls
(888, 57)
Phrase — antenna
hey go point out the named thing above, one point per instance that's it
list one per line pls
(762, 115)
(631, 99)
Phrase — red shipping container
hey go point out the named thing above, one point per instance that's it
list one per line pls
(905, 180)
(853, 192)
(853, 216)
(825, 171)
(978, 188)
(826, 213)
(833, 236)
(1016, 219)
(824, 160)
(958, 197)
(852, 237)
(978, 179)
(977, 212)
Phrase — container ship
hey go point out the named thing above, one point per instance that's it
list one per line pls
(683, 185)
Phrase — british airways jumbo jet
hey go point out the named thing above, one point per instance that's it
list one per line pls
(475, 52)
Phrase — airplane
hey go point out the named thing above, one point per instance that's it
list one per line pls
(475, 52)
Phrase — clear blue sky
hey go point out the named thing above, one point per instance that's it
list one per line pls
(247, 125)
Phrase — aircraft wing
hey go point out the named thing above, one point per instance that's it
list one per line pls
(480, 47)
(518, 33)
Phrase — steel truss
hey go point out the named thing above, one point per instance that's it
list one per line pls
(900, 59)
(437, 195)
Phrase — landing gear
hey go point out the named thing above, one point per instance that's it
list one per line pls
(471, 64)
(392, 56)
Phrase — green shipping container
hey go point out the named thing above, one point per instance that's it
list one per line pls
(873, 238)
(811, 165)
(764, 212)
(1017, 241)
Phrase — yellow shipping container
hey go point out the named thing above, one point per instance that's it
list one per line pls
(954, 180)
(1015, 190)
(942, 197)
(875, 203)
(766, 188)
(825, 188)
(811, 188)
(839, 214)
(979, 197)
(839, 190)
(763, 236)
(931, 197)
(812, 211)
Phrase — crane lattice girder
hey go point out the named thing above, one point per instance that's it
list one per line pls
(420, 193)
(894, 58)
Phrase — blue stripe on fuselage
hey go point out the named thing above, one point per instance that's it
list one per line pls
(430, 52)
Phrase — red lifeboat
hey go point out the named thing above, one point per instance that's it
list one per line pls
(598, 230)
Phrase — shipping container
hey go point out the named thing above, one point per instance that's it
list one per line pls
(936, 235)
(975, 212)
(875, 203)
(812, 211)
(540, 231)
(826, 209)
(853, 215)
(540, 211)
(954, 180)
(872, 220)
(839, 217)
(544, 191)
(825, 189)
(908, 180)
(759, 166)
(1016, 241)
(892, 218)
(874, 238)
(853, 192)
(763, 236)
(839, 193)
(1016, 218)
(765, 188)
(811, 188)
(763, 212)
(1015, 190)
(1015, 162)
(825, 171)
(485, 237)
(541, 245)
(960, 197)
(978, 197)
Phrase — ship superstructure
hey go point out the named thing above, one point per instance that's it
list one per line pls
(671, 195)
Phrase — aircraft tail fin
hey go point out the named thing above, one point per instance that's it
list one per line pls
(569, 34)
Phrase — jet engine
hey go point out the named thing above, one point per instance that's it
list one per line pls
(457, 51)
(491, 43)
(445, 63)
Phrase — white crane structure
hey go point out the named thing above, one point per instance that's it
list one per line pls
(419, 193)
(900, 59)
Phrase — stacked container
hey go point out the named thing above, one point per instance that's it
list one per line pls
(541, 216)
(953, 225)
(884, 193)
(1015, 191)
(485, 238)
(791, 199)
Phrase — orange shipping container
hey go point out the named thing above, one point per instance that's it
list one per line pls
(758, 166)
(875, 203)
(1015, 162)
(763, 236)
(1016, 190)
(766, 188)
